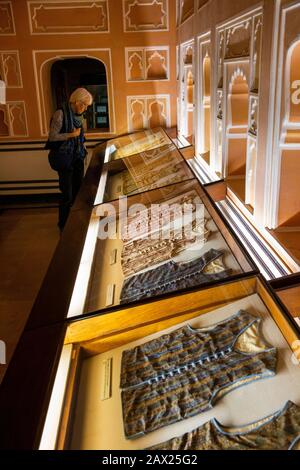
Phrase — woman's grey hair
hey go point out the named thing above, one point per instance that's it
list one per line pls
(81, 94)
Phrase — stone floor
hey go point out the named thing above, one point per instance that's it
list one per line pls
(28, 238)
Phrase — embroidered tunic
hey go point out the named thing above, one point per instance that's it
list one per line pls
(185, 372)
(280, 431)
(171, 277)
(145, 252)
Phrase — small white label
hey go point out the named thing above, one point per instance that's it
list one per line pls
(106, 371)
(110, 295)
(113, 256)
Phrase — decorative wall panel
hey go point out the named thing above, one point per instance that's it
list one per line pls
(4, 122)
(10, 71)
(157, 64)
(13, 121)
(145, 15)
(7, 26)
(238, 40)
(68, 17)
(150, 63)
(148, 111)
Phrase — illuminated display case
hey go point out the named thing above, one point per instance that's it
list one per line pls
(140, 162)
(86, 396)
(111, 269)
(80, 315)
(131, 144)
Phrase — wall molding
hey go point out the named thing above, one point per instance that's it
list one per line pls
(6, 6)
(60, 5)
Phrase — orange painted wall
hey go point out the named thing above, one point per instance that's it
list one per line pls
(116, 40)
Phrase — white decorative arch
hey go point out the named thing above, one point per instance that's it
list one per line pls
(132, 112)
(239, 72)
(163, 62)
(163, 113)
(43, 79)
(135, 54)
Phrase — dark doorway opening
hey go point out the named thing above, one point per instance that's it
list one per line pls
(69, 74)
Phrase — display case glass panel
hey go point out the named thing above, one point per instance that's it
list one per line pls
(144, 171)
(138, 142)
(96, 349)
(152, 244)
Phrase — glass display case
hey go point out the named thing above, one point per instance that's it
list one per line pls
(126, 273)
(140, 162)
(142, 172)
(152, 244)
(126, 372)
(138, 142)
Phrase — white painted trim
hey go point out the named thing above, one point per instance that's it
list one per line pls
(188, 43)
(271, 205)
(236, 136)
(184, 69)
(289, 146)
(79, 32)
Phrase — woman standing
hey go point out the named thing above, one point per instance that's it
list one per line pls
(67, 151)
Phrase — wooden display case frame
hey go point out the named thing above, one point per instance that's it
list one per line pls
(94, 335)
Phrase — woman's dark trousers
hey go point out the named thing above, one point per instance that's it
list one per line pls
(69, 183)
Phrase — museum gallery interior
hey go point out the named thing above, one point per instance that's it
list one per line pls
(168, 300)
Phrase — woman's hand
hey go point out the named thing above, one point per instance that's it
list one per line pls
(75, 133)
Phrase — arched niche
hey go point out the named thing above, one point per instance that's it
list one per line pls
(188, 56)
(136, 67)
(237, 129)
(190, 87)
(43, 62)
(239, 100)
(206, 84)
